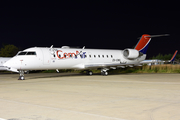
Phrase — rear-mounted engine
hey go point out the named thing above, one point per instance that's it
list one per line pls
(131, 53)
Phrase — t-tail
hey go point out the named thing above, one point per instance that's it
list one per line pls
(173, 57)
(144, 41)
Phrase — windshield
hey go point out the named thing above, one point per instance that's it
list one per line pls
(22, 53)
(31, 53)
(27, 53)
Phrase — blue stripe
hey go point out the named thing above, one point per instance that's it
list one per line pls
(144, 50)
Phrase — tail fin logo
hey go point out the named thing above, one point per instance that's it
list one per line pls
(173, 57)
(143, 43)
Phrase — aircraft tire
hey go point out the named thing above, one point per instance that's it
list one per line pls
(89, 72)
(21, 78)
(104, 73)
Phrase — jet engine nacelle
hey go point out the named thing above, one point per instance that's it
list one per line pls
(131, 53)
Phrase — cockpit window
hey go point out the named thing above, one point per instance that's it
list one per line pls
(31, 53)
(22, 53)
(27, 53)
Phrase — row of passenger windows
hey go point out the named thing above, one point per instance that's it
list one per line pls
(101, 56)
(90, 56)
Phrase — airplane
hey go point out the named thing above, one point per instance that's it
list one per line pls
(41, 58)
(2, 61)
(156, 61)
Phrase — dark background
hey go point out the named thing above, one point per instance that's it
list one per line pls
(107, 24)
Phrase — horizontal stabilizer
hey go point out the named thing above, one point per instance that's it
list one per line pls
(143, 43)
(157, 35)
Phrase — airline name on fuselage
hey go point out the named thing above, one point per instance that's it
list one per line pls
(64, 55)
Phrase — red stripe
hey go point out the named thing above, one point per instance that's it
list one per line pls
(142, 42)
(174, 55)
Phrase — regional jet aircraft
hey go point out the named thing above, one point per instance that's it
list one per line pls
(41, 58)
(155, 61)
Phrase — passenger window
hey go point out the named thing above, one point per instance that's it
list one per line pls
(99, 56)
(107, 56)
(90, 56)
(111, 56)
(103, 56)
(94, 55)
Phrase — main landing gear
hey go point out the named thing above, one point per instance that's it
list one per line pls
(21, 75)
(103, 72)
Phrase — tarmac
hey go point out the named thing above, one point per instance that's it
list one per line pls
(73, 96)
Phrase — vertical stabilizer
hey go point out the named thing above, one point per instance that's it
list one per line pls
(173, 57)
(143, 43)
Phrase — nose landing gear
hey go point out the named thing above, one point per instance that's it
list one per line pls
(21, 75)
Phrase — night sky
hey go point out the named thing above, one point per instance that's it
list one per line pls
(106, 24)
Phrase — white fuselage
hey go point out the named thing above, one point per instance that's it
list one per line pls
(2, 61)
(39, 58)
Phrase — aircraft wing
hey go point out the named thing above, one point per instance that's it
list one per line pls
(108, 65)
(159, 61)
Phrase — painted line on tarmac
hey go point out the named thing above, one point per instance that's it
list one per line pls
(78, 112)
(109, 81)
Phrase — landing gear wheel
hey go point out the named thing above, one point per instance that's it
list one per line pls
(89, 72)
(21, 76)
(105, 73)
